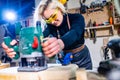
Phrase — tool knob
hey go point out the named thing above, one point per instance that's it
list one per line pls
(35, 43)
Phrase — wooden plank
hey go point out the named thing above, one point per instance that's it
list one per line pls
(8, 77)
(28, 76)
(59, 73)
(95, 76)
(81, 74)
(8, 73)
(4, 65)
(52, 73)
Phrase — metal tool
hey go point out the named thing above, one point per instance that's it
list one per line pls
(107, 65)
(31, 56)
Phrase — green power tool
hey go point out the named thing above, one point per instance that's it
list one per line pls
(29, 47)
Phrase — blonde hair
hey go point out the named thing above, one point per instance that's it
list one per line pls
(47, 4)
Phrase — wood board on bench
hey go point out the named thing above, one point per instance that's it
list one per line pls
(52, 73)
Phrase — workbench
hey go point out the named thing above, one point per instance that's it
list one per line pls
(54, 72)
(4, 65)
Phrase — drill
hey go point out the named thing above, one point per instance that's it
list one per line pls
(29, 49)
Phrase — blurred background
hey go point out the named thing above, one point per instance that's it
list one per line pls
(17, 9)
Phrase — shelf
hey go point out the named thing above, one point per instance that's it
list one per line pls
(99, 27)
(99, 31)
(117, 24)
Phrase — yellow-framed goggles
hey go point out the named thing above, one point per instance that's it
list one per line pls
(53, 17)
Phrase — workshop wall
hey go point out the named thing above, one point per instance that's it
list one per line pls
(71, 6)
(96, 48)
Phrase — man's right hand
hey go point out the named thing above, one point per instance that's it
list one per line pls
(9, 51)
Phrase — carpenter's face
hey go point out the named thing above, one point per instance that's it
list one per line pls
(53, 16)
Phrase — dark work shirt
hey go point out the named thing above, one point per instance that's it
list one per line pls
(73, 37)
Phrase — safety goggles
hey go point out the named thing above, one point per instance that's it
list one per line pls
(53, 17)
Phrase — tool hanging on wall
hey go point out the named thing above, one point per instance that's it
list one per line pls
(92, 31)
(83, 7)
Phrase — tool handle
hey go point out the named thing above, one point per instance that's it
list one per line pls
(7, 41)
(44, 40)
